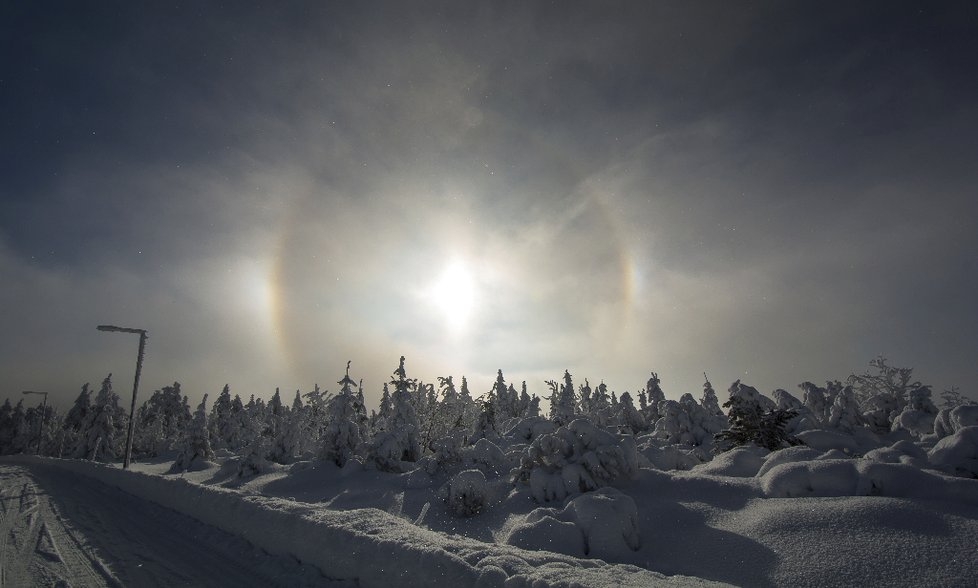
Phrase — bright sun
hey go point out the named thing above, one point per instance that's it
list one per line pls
(453, 295)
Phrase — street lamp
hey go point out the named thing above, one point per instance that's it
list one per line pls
(44, 405)
(135, 383)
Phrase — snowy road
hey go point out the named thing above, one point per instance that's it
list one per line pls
(60, 529)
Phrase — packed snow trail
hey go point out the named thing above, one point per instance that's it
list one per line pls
(59, 528)
(37, 546)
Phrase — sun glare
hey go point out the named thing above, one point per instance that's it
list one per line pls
(453, 295)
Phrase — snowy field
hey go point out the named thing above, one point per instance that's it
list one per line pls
(788, 518)
(840, 488)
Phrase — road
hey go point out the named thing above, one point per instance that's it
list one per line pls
(59, 529)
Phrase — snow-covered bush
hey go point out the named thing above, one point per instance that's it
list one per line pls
(486, 455)
(255, 461)
(468, 493)
(578, 457)
(530, 428)
(950, 421)
(670, 457)
(957, 454)
(919, 414)
(601, 524)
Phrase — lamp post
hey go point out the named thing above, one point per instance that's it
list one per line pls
(135, 383)
(44, 406)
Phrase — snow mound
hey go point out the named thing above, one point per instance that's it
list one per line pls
(900, 452)
(863, 477)
(822, 440)
(372, 546)
(957, 454)
(602, 524)
(787, 455)
(740, 462)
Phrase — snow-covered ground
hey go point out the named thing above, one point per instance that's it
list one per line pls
(788, 518)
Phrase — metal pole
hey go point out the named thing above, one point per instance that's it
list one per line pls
(132, 408)
(40, 432)
(135, 383)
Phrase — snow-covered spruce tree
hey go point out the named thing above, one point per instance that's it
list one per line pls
(630, 418)
(163, 420)
(845, 414)
(562, 401)
(485, 427)
(919, 415)
(601, 411)
(6, 427)
(196, 446)
(15, 437)
(674, 426)
(236, 430)
(100, 437)
(709, 401)
(220, 419)
(703, 425)
(78, 413)
(578, 457)
(341, 440)
(750, 422)
(400, 441)
(74, 421)
(815, 401)
(654, 395)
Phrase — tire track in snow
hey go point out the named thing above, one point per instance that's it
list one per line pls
(36, 546)
(144, 544)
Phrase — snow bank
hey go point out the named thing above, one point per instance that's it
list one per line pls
(863, 477)
(600, 524)
(372, 546)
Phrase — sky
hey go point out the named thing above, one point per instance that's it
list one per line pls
(765, 191)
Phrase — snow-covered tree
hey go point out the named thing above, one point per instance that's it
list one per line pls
(754, 419)
(400, 442)
(562, 400)
(578, 457)
(100, 438)
(220, 418)
(341, 440)
(196, 446)
(630, 417)
(845, 414)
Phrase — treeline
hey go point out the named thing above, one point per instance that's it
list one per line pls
(416, 420)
